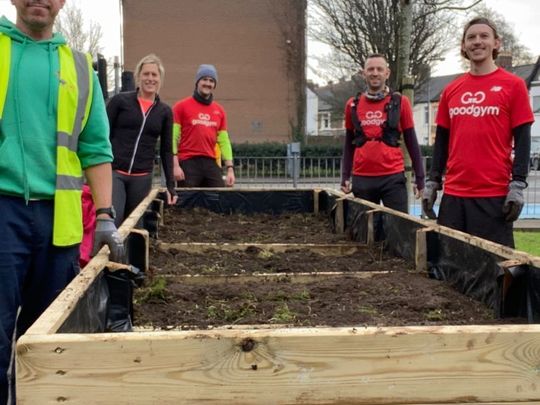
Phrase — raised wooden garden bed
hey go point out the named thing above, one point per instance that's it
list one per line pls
(284, 356)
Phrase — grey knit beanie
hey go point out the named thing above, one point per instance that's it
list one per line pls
(206, 71)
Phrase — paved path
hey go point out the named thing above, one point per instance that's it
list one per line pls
(527, 225)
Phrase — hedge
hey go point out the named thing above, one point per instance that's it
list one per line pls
(276, 149)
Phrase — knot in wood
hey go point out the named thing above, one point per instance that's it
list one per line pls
(247, 345)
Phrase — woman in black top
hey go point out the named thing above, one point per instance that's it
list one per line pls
(137, 120)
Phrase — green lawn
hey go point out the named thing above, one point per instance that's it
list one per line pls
(528, 242)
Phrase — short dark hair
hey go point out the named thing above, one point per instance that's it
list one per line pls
(475, 21)
(377, 55)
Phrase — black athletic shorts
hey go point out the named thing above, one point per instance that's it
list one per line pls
(391, 190)
(201, 171)
(481, 217)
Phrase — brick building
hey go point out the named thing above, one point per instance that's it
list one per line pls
(257, 46)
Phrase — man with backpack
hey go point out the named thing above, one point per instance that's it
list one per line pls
(374, 122)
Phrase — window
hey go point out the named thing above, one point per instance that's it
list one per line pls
(536, 104)
(325, 121)
(426, 114)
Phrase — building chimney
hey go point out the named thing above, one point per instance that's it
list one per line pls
(504, 60)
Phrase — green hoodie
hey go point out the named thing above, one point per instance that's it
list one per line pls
(28, 126)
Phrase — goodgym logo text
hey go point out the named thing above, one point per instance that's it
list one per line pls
(204, 119)
(471, 105)
(373, 118)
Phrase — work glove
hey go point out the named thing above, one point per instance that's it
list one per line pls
(429, 197)
(106, 234)
(514, 200)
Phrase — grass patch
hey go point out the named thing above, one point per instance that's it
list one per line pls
(227, 312)
(528, 242)
(367, 310)
(435, 315)
(283, 314)
(157, 290)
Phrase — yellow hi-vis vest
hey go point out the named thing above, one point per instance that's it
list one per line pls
(74, 100)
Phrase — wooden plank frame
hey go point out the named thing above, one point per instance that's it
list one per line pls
(480, 364)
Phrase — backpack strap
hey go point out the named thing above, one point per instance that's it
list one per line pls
(391, 134)
(359, 138)
(393, 111)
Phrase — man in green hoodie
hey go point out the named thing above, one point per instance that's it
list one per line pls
(53, 128)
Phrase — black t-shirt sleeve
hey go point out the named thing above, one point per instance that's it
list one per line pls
(522, 151)
(440, 154)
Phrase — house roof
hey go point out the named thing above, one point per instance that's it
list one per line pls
(343, 89)
(433, 88)
(438, 83)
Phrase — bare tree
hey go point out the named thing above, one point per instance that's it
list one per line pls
(521, 55)
(357, 28)
(79, 35)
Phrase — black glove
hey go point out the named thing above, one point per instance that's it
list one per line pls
(106, 234)
(514, 200)
(429, 197)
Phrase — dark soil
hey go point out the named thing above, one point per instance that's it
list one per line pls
(398, 297)
(200, 225)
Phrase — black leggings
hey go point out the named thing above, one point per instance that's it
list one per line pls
(128, 192)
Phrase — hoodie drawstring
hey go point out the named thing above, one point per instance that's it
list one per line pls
(51, 87)
(19, 129)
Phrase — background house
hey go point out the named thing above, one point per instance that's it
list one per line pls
(426, 102)
(257, 46)
(331, 104)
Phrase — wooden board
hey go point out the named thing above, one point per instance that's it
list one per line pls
(327, 249)
(412, 365)
(300, 278)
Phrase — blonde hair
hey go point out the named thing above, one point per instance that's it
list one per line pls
(149, 59)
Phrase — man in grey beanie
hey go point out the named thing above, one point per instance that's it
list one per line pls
(200, 136)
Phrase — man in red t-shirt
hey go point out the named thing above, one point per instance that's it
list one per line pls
(371, 150)
(480, 116)
(199, 124)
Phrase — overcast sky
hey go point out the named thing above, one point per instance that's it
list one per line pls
(524, 15)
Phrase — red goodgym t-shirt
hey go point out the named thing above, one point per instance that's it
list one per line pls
(480, 113)
(199, 127)
(375, 158)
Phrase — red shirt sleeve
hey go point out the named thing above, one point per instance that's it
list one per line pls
(443, 119)
(406, 120)
(520, 107)
(223, 126)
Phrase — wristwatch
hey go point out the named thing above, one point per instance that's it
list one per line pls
(109, 211)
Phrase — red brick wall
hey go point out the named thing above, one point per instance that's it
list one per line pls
(257, 46)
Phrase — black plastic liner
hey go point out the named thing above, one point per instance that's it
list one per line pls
(470, 269)
(246, 202)
(356, 221)
(400, 235)
(478, 273)
(90, 313)
(106, 306)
